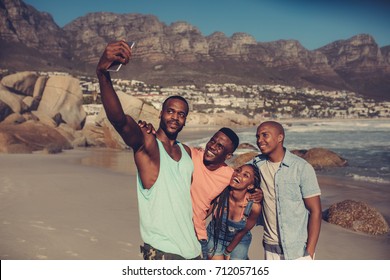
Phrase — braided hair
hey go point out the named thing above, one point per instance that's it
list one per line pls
(219, 204)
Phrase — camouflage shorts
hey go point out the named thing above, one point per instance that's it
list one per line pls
(150, 253)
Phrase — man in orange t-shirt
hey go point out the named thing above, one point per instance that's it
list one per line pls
(210, 177)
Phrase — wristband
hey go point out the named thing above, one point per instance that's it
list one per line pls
(226, 253)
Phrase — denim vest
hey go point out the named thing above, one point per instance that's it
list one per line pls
(233, 227)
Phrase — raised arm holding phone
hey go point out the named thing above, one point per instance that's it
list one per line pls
(164, 167)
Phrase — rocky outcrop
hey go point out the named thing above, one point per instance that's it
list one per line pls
(56, 102)
(243, 158)
(321, 158)
(361, 64)
(22, 23)
(30, 136)
(357, 216)
(133, 107)
(53, 99)
(62, 95)
(40, 112)
(359, 54)
(246, 146)
(226, 119)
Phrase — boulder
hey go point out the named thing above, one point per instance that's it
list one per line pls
(21, 83)
(5, 110)
(357, 216)
(243, 158)
(44, 118)
(91, 136)
(14, 101)
(14, 118)
(31, 103)
(247, 146)
(321, 158)
(62, 94)
(35, 135)
(133, 107)
(225, 119)
(40, 86)
(10, 145)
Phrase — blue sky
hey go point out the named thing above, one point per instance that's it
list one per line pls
(313, 23)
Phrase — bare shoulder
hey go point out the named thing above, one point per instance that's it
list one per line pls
(150, 145)
(188, 149)
(256, 208)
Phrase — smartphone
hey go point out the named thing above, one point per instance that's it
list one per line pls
(116, 66)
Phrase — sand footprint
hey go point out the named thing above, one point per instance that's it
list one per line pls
(71, 253)
(128, 246)
(41, 257)
(83, 232)
(41, 225)
(5, 185)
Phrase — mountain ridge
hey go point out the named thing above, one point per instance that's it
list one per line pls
(178, 53)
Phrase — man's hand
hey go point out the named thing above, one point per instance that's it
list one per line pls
(117, 52)
(148, 126)
(257, 196)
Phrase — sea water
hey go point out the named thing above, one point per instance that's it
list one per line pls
(363, 143)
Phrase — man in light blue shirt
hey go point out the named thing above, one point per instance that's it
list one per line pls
(291, 198)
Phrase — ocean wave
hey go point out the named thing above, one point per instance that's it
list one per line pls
(368, 179)
(346, 125)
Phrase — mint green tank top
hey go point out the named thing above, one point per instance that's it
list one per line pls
(165, 209)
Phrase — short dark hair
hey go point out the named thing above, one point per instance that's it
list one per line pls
(232, 136)
(277, 126)
(176, 97)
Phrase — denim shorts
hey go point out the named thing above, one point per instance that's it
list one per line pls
(240, 252)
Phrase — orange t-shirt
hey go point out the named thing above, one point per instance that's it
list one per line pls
(206, 185)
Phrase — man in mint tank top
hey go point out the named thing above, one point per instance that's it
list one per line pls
(164, 168)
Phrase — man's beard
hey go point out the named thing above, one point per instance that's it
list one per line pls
(169, 134)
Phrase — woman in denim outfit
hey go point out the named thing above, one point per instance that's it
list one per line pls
(234, 216)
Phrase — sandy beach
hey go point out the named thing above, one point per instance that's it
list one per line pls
(81, 204)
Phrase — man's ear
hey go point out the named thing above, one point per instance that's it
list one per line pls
(280, 138)
(228, 156)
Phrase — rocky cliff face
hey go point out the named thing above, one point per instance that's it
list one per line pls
(22, 23)
(358, 54)
(179, 53)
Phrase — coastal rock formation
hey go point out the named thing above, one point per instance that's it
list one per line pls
(30, 136)
(133, 107)
(40, 112)
(321, 158)
(56, 101)
(247, 146)
(357, 216)
(243, 158)
(226, 119)
(58, 98)
(62, 95)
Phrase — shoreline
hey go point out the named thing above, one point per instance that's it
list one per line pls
(81, 204)
(283, 121)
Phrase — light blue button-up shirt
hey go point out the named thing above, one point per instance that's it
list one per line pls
(294, 180)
